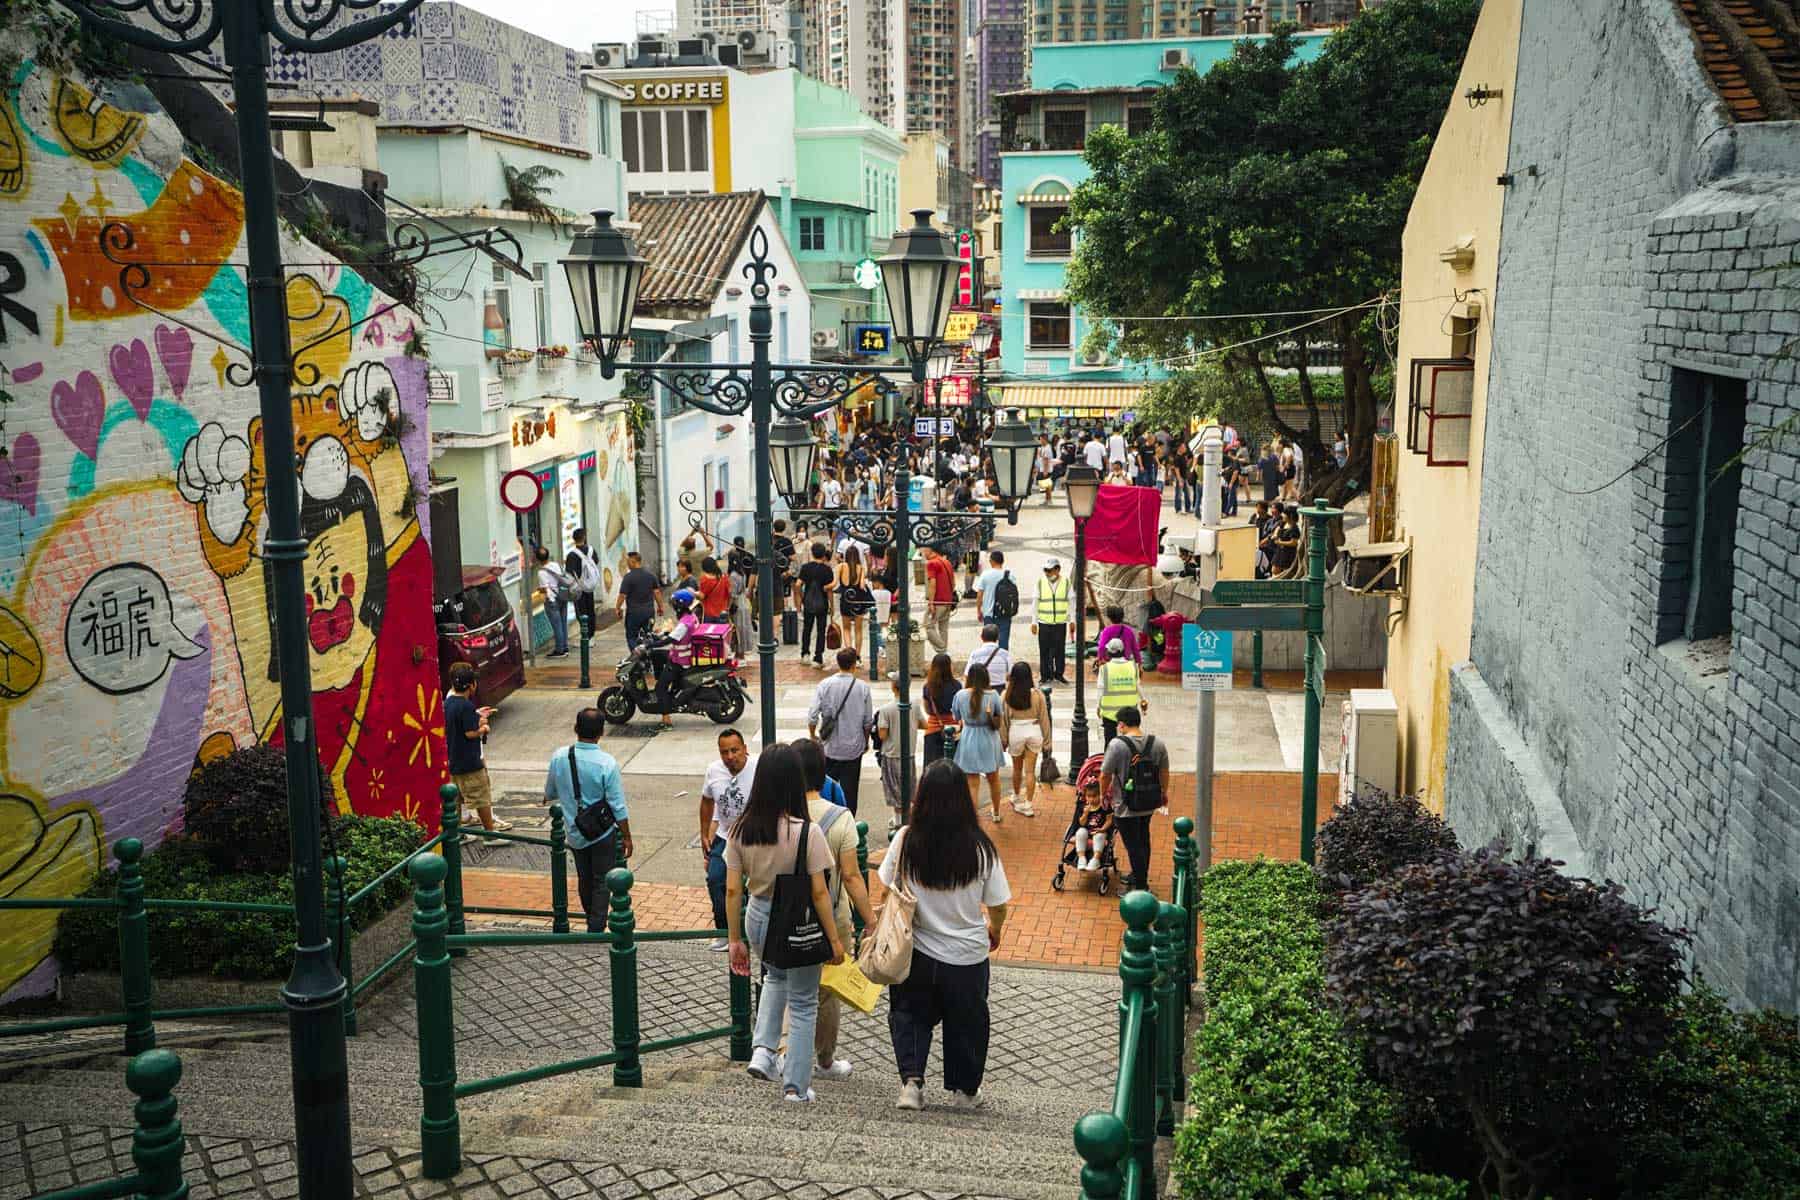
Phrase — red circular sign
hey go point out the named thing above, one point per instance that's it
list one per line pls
(520, 491)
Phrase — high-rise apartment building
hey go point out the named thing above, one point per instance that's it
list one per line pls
(901, 59)
(998, 38)
(1054, 21)
(934, 46)
(730, 16)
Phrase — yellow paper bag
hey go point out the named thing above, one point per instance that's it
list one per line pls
(851, 985)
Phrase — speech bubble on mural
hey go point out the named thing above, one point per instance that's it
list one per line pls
(120, 634)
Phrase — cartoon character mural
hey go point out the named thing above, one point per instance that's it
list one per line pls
(136, 633)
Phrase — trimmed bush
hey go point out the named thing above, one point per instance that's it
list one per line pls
(1375, 835)
(232, 945)
(1279, 1104)
(1723, 1115)
(1508, 992)
(236, 809)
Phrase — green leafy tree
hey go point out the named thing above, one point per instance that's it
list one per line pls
(1269, 186)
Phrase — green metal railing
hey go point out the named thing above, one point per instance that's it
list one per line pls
(440, 1130)
(1158, 957)
(156, 1139)
(138, 1015)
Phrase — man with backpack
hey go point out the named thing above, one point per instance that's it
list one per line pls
(1134, 776)
(582, 566)
(999, 597)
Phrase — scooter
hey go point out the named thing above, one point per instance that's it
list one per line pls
(712, 689)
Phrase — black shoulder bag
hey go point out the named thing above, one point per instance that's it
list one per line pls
(596, 820)
(795, 938)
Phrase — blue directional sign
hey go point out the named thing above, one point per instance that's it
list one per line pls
(871, 339)
(1205, 659)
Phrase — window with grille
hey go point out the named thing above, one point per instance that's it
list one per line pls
(1065, 128)
(812, 233)
(1440, 410)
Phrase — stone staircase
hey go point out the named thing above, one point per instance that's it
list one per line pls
(699, 1127)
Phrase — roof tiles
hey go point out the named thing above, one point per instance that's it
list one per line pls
(691, 242)
(1751, 49)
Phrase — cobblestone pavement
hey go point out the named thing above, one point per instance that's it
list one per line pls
(40, 1158)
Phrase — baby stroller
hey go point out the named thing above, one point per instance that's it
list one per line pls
(1108, 868)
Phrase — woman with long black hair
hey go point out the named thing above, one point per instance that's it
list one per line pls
(936, 696)
(763, 845)
(949, 864)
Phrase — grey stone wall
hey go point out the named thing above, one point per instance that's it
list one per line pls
(1634, 244)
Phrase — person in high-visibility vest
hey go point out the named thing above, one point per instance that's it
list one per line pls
(1050, 621)
(1118, 679)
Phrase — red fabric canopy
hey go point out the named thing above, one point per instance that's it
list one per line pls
(1123, 527)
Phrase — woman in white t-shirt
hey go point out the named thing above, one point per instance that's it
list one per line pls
(951, 866)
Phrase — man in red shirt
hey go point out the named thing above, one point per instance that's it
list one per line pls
(940, 599)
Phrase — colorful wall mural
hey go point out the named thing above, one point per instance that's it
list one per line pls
(135, 627)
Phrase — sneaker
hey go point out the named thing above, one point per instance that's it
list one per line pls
(967, 1101)
(839, 1069)
(793, 1097)
(912, 1096)
(1022, 808)
(1092, 864)
(501, 826)
(719, 945)
(762, 1065)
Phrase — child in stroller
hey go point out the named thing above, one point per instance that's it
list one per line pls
(1088, 841)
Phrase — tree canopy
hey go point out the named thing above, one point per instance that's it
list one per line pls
(1270, 187)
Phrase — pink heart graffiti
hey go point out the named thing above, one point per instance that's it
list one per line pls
(79, 411)
(176, 349)
(131, 368)
(19, 473)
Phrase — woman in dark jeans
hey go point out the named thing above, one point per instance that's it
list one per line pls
(935, 697)
(951, 867)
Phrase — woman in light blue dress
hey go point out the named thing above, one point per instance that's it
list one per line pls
(978, 749)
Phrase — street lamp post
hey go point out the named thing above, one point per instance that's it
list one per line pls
(315, 990)
(1082, 487)
(1012, 449)
(981, 341)
(919, 277)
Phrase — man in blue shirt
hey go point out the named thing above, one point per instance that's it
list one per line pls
(597, 779)
(987, 585)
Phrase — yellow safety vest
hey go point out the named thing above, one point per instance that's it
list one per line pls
(1053, 608)
(1118, 686)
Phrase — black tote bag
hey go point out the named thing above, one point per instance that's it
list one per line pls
(795, 938)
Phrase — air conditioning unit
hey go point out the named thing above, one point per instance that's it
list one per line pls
(825, 339)
(1377, 568)
(729, 56)
(1369, 749)
(1176, 58)
(653, 47)
(610, 54)
(753, 41)
(784, 53)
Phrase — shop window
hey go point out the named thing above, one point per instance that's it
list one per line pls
(1046, 239)
(1047, 325)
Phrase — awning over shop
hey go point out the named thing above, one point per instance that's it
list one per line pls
(1071, 399)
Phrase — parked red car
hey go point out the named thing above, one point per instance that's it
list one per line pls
(476, 626)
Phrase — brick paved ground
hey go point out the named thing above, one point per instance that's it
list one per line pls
(1254, 814)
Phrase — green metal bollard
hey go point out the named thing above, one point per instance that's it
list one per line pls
(1187, 859)
(440, 1129)
(1168, 1015)
(1101, 1140)
(559, 871)
(156, 1143)
(1137, 975)
(1256, 659)
(338, 913)
(621, 922)
(587, 633)
(452, 845)
(134, 948)
(862, 868)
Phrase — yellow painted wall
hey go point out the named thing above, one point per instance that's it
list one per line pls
(1438, 507)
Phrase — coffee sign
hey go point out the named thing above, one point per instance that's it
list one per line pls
(674, 91)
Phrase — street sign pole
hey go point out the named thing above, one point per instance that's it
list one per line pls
(1212, 459)
(1317, 518)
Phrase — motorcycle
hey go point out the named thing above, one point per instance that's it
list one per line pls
(709, 686)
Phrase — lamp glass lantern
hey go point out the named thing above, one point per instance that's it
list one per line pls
(1013, 451)
(940, 362)
(791, 453)
(1082, 487)
(604, 270)
(920, 277)
(982, 340)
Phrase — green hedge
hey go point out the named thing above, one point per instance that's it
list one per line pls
(1279, 1104)
(232, 945)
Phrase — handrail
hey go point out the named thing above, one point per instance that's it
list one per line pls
(368, 889)
(157, 1142)
(440, 1130)
(502, 836)
(1157, 959)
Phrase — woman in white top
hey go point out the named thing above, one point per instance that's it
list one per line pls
(945, 860)
(1025, 728)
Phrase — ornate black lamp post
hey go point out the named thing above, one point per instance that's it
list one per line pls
(919, 275)
(981, 341)
(1013, 451)
(314, 991)
(1082, 486)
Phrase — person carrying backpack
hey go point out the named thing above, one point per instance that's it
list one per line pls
(1134, 777)
(999, 597)
(582, 566)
